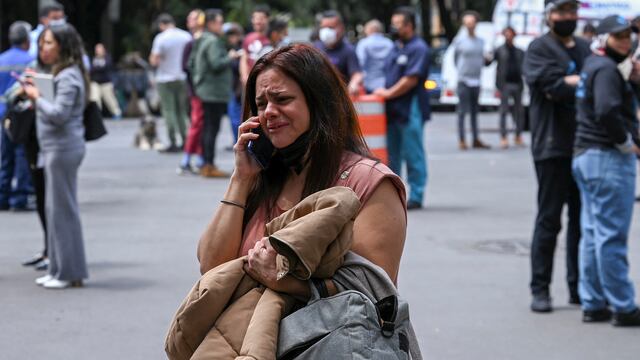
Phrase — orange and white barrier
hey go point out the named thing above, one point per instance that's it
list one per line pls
(373, 123)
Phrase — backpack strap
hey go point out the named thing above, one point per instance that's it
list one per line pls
(387, 310)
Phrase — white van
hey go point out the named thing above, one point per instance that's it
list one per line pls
(527, 18)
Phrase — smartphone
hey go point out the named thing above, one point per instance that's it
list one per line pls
(261, 149)
(18, 78)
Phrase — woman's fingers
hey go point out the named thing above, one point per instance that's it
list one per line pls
(250, 123)
(244, 139)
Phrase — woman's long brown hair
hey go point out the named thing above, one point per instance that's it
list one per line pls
(333, 127)
(71, 51)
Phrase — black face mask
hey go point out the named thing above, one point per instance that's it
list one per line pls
(564, 28)
(292, 156)
(393, 32)
(616, 56)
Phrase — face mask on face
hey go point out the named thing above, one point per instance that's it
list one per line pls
(564, 28)
(616, 56)
(57, 22)
(328, 36)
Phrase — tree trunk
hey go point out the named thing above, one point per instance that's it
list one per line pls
(445, 19)
(425, 14)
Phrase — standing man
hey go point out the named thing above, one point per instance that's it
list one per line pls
(469, 59)
(50, 14)
(407, 67)
(14, 163)
(509, 82)
(372, 53)
(277, 34)
(254, 41)
(604, 165)
(339, 51)
(551, 67)
(166, 56)
(210, 68)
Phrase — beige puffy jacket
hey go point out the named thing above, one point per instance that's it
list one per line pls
(228, 315)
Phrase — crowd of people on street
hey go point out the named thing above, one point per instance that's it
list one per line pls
(583, 117)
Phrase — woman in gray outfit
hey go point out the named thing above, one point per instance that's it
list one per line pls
(60, 132)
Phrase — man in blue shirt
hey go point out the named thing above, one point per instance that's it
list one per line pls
(14, 163)
(372, 53)
(339, 51)
(407, 68)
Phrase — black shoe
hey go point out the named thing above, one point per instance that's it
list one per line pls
(574, 299)
(541, 303)
(42, 265)
(413, 205)
(627, 319)
(591, 316)
(34, 260)
(170, 149)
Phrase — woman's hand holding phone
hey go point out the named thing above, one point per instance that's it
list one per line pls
(246, 168)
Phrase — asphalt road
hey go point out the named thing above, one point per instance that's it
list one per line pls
(464, 271)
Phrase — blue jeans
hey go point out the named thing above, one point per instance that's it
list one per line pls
(14, 165)
(606, 179)
(404, 143)
(234, 111)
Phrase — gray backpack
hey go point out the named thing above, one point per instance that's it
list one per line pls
(349, 325)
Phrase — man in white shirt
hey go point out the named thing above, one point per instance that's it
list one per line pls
(166, 57)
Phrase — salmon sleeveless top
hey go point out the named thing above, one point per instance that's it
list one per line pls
(361, 174)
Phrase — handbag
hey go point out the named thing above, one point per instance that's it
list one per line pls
(94, 127)
(349, 324)
(19, 123)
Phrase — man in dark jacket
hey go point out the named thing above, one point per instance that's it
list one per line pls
(509, 82)
(551, 67)
(604, 167)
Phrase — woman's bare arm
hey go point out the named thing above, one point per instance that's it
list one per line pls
(220, 242)
(380, 228)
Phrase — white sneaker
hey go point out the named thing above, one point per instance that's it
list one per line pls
(43, 279)
(61, 284)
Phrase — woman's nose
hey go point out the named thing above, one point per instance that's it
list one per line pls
(271, 110)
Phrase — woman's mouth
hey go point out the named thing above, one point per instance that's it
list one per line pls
(276, 126)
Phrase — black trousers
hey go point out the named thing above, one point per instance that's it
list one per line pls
(37, 178)
(213, 112)
(556, 188)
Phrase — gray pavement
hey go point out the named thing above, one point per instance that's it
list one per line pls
(464, 271)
